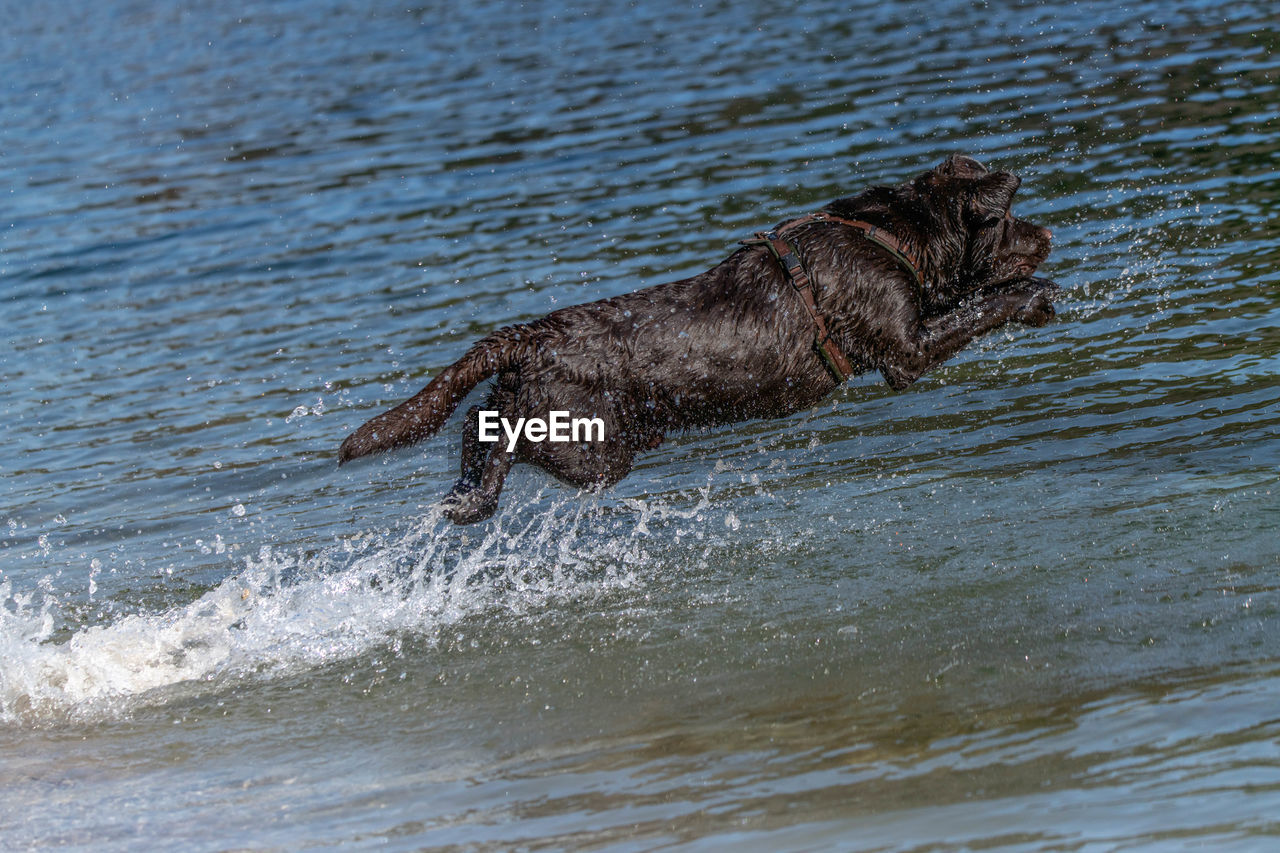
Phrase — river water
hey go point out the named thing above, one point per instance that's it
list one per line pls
(1028, 603)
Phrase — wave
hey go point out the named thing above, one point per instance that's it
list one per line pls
(284, 613)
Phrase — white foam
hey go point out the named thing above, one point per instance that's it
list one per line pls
(284, 612)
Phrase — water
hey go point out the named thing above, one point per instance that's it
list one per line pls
(1030, 603)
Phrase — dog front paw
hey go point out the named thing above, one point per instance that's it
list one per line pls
(1037, 310)
(1048, 287)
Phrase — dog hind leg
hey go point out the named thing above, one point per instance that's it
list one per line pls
(480, 501)
(473, 456)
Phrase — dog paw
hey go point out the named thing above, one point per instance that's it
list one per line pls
(468, 507)
(1046, 286)
(1038, 310)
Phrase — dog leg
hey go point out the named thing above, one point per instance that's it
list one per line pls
(481, 501)
(933, 340)
(473, 453)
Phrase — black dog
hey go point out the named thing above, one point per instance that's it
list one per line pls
(895, 279)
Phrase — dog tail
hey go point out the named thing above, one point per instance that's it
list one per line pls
(425, 412)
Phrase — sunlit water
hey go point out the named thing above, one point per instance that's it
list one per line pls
(1029, 603)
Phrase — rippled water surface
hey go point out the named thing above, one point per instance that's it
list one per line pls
(1028, 603)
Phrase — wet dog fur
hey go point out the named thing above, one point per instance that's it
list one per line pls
(735, 342)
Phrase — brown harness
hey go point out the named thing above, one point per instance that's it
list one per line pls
(776, 242)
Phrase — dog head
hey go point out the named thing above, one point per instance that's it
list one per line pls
(973, 238)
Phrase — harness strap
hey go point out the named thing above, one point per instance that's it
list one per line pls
(836, 361)
(795, 272)
(874, 233)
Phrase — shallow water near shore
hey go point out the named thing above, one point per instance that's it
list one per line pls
(1029, 603)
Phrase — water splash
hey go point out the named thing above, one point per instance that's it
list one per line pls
(284, 613)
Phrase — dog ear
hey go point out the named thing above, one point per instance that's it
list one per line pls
(960, 166)
(994, 193)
